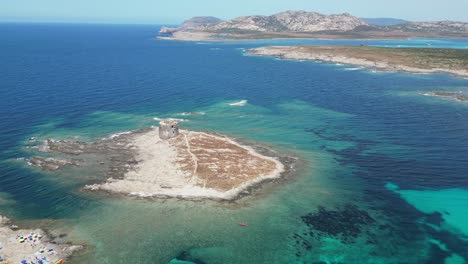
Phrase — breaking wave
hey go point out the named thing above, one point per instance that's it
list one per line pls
(175, 119)
(240, 103)
(191, 113)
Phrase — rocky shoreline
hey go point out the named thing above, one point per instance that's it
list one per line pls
(190, 165)
(457, 96)
(377, 62)
(51, 164)
(27, 246)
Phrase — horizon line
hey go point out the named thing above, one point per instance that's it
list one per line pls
(172, 23)
(85, 22)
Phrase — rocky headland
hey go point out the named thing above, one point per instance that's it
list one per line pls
(19, 245)
(457, 96)
(302, 24)
(167, 162)
(202, 21)
(413, 60)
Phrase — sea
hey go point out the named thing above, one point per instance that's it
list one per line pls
(381, 173)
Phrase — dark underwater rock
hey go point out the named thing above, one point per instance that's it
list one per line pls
(346, 223)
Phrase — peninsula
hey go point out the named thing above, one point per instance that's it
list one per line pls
(165, 161)
(302, 24)
(456, 96)
(414, 60)
(30, 246)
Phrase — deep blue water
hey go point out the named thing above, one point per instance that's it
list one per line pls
(63, 74)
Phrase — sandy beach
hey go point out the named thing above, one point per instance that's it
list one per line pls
(30, 245)
(395, 60)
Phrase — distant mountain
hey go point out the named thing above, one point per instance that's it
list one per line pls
(302, 24)
(200, 21)
(383, 21)
(436, 26)
(289, 21)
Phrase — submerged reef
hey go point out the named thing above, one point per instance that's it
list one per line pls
(346, 223)
(350, 234)
(51, 164)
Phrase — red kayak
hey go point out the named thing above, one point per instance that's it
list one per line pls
(242, 224)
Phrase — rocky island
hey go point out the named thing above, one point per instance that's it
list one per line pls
(415, 60)
(302, 24)
(31, 245)
(167, 162)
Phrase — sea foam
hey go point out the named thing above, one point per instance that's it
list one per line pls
(353, 69)
(191, 113)
(240, 103)
(119, 134)
(174, 119)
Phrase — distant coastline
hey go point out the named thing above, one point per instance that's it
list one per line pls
(416, 60)
(191, 36)
(312, 25)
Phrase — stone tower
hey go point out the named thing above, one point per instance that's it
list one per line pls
(168, 129)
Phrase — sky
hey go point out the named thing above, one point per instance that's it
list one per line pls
(175, 11)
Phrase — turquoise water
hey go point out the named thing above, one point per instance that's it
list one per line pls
(382, 171)
(448, 204)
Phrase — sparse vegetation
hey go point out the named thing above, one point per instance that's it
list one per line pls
(423, 58)
(417, 60)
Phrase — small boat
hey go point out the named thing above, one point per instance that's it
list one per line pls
(60, 261)
(242, 224)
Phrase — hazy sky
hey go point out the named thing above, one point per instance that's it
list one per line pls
(175, 11)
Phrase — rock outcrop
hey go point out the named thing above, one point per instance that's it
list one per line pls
(51, 164)
(167, 30)
(301, 21)
(457, 96)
